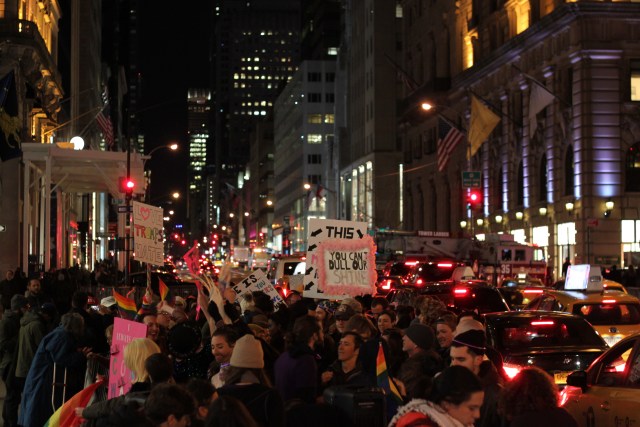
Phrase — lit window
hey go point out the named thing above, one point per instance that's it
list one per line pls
(314, 138)
(332, 51)
(635, 80)
(314, 118)
(329, 118)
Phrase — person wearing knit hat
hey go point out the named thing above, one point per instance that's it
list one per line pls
(417, 337)
(468, 324)
(245, 380)
(247, 353)
(468, 349)
(354, 304)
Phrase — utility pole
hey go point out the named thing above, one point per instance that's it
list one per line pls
(127, 222)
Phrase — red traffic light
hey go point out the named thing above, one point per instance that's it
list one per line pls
(126, 185)
(474, 198)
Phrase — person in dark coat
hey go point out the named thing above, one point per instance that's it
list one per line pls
(59, 348)
(296, 371)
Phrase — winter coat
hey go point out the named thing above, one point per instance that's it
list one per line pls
(58, 347)
(264, 403)
(9, 330)
(419, 412)
(492, 386)
(296, 374)
(32, 330)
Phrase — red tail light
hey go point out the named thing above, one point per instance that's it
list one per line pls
(511, 370)
(460, 292)
(533, 291)
(608, 301)
(285, 292)
(419, 282)
(411, 263)
(386, 284)
(445, 265)
(542, 323)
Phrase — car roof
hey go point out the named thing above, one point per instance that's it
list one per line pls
(593, 297)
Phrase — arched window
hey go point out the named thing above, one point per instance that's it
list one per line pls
(633, 168)
(569, 185)
(544, 178)
(520, 184)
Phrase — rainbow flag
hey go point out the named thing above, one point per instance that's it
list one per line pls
(163, 288)
(66, 416)
(127, 305)
(383, 379)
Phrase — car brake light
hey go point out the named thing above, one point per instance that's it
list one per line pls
(608, 301)
(419, 282)
(542, 323)
(285, 292)
(445, 265)
(533, 291)
(386, 284)
(620, 367)
(460, 292)
(411, 263)
(511, 370)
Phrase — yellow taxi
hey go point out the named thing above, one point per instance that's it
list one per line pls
(610, 285)
(613, 314)
(608, 392)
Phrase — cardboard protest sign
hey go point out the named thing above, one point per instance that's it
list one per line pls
(325, 273)
(147, 234)
(124, 331)
(258, 281)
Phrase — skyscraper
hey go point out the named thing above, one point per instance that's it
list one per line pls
(198, 118)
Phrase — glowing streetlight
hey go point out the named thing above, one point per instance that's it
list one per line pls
(269, 203)
(175, 195)
(307, 186)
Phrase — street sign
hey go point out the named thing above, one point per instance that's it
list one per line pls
(471, 179)
(124, 209)
(3, 228)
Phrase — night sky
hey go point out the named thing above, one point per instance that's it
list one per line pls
(174, 57)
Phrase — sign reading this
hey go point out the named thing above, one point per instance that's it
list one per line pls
(147, 234)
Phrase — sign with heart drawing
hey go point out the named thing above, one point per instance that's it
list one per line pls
(147, 234)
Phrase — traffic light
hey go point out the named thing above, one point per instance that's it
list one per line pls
(474, 198)
(126, 185)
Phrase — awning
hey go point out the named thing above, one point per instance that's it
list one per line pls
(85, 171)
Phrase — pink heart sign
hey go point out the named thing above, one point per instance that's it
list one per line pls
(145, 213)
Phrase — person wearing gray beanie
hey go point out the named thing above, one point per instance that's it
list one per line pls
(423, 362)
(418, 337)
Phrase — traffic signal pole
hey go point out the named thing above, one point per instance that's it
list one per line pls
(127, 222)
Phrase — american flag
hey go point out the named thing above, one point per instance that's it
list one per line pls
(104, 121)
(448, 139)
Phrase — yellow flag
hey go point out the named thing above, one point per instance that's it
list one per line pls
(483, 121)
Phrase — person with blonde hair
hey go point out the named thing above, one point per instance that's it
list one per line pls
(136, 354)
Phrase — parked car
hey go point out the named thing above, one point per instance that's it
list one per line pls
(287, 272)
(558, 343)
(519, 294)
(607, 393)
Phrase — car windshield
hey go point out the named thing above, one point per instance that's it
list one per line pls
(521, 334)
(399, 269)
(609, 313)
(290, 268)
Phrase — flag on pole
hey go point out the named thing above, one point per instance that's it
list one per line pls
(106, 126)
(320, 192)
(483, 122)
(383, 379)
(127, 306)
(539, 98)
(192, 258)
(448, 139)
(163, 289)
(66, 416)
(10, 124)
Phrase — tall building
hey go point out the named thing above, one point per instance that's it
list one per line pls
(303, 134)
(198, 122)
(560, 168)
(256, 51)
(369, 158)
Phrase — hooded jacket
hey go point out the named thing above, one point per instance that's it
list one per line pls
(32, 330)
(296, 374)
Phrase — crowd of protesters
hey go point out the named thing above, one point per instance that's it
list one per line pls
(241, 361)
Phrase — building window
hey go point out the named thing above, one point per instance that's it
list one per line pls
(314, 159)
(314, 179)
(314, 97)
(314, 77)
(520, 184)
(569, 188)
(635, 80)
(329, 98)
(314, 118)
(314, 138)
(330, 77)
(633, 168)
(329, 118)
(542, 196)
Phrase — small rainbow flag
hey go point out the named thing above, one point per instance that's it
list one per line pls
(383, 379)
(127, 305)
(66, 416)
(163, 288)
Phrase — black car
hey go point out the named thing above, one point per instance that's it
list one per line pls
(474, 296)
(558, 343)
(518, 294)
(425, 273)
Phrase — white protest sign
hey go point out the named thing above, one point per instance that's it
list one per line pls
(258, 281)
(148, 234)
(340, 259)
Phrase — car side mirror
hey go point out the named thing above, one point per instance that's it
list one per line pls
(578, 379)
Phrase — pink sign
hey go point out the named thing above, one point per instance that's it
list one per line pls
(124, 331)
(347, 267)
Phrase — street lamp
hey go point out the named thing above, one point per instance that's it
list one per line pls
(172, 147)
